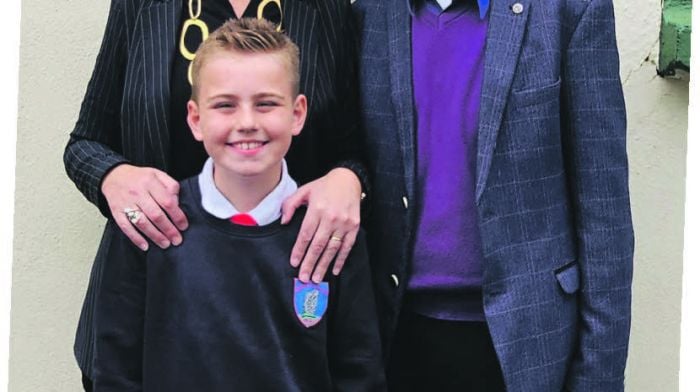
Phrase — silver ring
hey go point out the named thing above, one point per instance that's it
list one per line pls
(133, 215)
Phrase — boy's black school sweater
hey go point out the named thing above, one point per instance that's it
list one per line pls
(217, 314)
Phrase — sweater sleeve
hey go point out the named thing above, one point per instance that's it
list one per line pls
(119, 325)
(354, 348)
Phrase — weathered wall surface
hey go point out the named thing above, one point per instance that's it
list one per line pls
(56, 231)
(657, 122)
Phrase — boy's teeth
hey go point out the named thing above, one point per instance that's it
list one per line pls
(249, 146)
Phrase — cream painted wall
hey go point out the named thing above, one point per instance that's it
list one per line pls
(657, 122)
(56, 231)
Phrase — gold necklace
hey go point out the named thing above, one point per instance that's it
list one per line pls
(195, 21)
(264, 4)
(192, 21)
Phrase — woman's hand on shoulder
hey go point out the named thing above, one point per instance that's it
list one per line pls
(331, 223)
(144, 202)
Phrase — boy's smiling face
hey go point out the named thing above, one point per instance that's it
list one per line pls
(246, 113)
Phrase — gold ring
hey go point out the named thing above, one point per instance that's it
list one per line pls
(336, 238)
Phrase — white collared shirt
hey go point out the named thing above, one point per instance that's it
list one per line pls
(269, 209)
(444, 3)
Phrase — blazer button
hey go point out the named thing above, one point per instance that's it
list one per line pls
(395, 279)
(405, 202)
(517, 8)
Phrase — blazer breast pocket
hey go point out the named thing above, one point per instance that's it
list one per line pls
(532, 122)
(521, 100)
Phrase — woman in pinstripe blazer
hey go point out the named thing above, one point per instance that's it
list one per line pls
(127, 149)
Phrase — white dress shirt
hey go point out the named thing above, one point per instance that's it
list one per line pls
(266, 212)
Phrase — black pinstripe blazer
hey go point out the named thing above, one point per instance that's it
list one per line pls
(125, 113)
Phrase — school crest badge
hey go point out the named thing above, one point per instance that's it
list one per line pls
(310, 301)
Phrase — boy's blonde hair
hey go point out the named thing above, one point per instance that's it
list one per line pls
(247, 35)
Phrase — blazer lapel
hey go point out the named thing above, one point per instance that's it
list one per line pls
(400, 54)
(503, 44)
(299, 21)
(158, 27)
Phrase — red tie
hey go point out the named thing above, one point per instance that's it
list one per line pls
(243, 220)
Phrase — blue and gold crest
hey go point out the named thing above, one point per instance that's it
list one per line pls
(310, 301)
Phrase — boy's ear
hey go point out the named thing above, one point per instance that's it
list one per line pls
(193, 119)
(300, 108)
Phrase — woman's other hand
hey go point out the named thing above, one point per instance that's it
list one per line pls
(331, 223)
(154, 196)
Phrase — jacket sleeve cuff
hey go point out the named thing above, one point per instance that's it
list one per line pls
(101, 201)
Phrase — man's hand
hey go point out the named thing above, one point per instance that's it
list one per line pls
(331, 223)
(154, 196)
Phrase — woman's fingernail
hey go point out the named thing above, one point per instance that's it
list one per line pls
(164, 244)
(144, 247)
(177, 241)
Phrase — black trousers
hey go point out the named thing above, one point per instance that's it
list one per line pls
(438, 355)
(87, 383)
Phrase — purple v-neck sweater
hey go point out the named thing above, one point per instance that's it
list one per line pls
(448, 63)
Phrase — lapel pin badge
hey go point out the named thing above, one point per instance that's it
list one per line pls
(517, 8)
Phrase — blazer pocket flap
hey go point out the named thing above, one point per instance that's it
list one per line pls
(535, 96)
(568, 277)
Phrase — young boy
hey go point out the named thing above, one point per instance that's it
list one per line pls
(224, 310)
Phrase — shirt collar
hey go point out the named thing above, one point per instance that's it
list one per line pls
(269, 209)
(483, 5)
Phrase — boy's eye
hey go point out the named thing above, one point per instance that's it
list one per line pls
(219, 105)
(267, 104)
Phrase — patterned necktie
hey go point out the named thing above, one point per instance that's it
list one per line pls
(444, 3)
(243, 220)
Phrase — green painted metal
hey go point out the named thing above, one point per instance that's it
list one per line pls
(674, 49)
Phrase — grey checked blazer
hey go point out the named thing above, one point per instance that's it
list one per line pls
(552, 186)
(125, 113)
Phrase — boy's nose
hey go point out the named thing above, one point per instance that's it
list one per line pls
(246, 129)
(246, 122)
